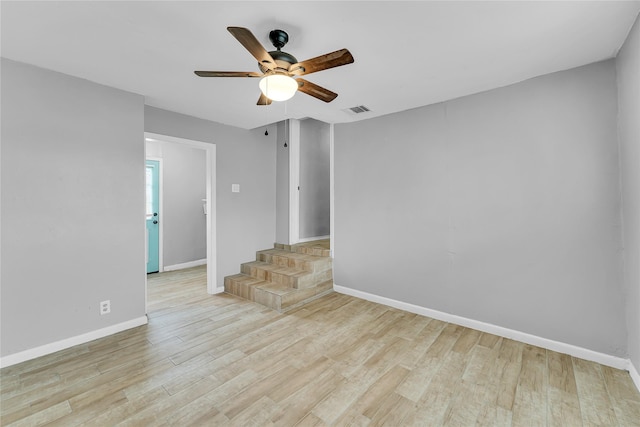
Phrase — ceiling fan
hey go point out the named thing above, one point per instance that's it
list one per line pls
(279, 68)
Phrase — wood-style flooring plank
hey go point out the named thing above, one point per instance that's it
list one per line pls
(595, 402)
(296, 406)
(531, 397)
(620, 387)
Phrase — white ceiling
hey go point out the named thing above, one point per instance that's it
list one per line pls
(407, 54)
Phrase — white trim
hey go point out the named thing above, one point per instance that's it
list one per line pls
(311, 239)
(331, 192)
(294, 181)
(184, 265)
(43, 350)
(211, 220)
(219, 290)
(210, 149)
(635, 376)
(570, 349)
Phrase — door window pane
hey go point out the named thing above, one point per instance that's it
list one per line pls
(149, 189)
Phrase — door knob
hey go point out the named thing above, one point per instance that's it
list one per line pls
(155, 222)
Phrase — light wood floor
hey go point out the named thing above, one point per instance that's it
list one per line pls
(220, 360)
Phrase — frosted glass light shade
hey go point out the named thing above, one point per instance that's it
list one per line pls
(278, 87)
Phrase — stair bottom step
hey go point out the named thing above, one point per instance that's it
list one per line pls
(242, 285)
(283, 298)
(276, 296)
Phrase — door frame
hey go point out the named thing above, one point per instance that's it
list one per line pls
(160, 212)
(294, 181)
(294, 184)
(331, 191)
(210, 153)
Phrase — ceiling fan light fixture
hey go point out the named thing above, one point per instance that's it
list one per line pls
(278, 87)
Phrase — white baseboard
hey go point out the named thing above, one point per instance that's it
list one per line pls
(43, 350)
(219, 290)
(560, 347)
(311, 239)
(185, 265)
(635, 376)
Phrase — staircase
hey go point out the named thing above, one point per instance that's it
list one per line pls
(286, 276)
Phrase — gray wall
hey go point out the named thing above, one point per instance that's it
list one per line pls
(314, 178)
(73, 202)
(501, 207)
(184, 172)
(628, 67)
(72, 206)
(282, 183)
(245, 221)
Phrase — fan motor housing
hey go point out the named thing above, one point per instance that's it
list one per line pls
(283, 60)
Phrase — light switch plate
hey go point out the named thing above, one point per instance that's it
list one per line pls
(235, 188)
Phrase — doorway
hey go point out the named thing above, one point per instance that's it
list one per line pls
(152, 191)
(207, 205)
(310, 181)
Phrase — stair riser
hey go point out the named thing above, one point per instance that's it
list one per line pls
(284, 302)
(268, 299)
(313, 280)
(313, 251)
(244, 289)
(238, 288)
(269, 276)
(299, 282)
(303, 250)
(289, 300)
(301, 264)
(283, 247)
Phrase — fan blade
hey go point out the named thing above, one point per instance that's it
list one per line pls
(227, 74)
(316, 91)
(263, 100)
(249, 41)
(323, 62)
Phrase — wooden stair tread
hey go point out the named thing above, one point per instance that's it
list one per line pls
(246, 279)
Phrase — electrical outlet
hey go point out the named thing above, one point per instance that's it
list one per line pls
(105, 307)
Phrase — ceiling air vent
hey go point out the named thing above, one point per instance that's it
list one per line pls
(359, 109)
